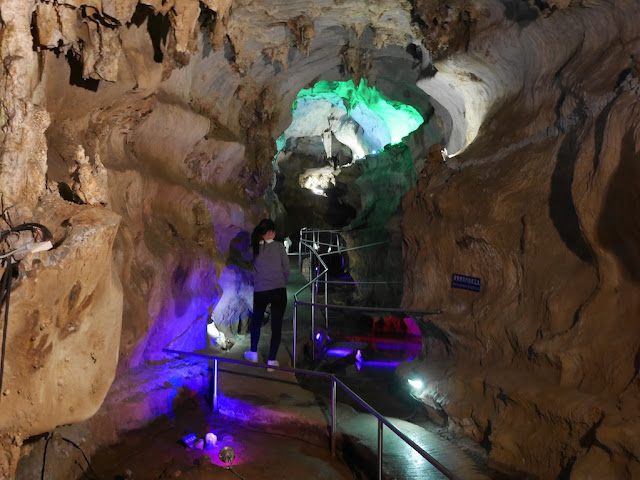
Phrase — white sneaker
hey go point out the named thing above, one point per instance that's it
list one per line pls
(251, 356)
(273, 363)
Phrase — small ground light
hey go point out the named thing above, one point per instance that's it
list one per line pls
(226, 455)
(189, 440)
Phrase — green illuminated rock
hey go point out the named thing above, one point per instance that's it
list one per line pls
(362, 101)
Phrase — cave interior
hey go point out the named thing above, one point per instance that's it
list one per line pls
(477, 147)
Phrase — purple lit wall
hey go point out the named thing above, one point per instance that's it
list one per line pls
(182, 302)
(236, 301)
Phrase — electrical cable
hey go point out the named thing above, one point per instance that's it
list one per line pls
(40, 231)
(41, 234)
(5, 293)
(275, 434)
(44, 455)
(85, 458)
(84, 472)
(234, 472)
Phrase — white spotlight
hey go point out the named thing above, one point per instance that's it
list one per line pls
(416, 383)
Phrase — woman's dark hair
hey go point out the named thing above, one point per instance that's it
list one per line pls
(265, 225)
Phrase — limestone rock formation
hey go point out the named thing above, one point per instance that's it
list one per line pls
(539, 362)
(89, 181)
(143, 134)
(63, 330)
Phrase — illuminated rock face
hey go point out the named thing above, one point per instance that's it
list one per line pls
(182, 103)
(164, 116)
(357, 116)
(64, 326)
(544, 358)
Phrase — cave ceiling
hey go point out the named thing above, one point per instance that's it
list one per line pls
(228, 77)
(144, 134)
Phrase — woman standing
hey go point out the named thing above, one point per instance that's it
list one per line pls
(270, 277)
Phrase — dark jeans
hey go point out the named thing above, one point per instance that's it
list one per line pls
(278, 300)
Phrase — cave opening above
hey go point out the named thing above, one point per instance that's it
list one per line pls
(357, 117)
(340, 131)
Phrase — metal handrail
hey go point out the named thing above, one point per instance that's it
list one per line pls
(382, 421)
(353, 282)
(314, 285)
(354, 248)
(312, 250)
(307, 230)
(374, 309)
(310, 245)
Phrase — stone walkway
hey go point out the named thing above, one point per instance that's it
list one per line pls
(276, 401)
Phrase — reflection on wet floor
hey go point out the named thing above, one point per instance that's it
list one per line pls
(159, 452)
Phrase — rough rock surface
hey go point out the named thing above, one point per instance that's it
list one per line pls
(63, 330)
(541, 363)
(181, 102)
(23, 121)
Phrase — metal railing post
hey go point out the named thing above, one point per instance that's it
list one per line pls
(295, 331)
(326, 300)
(333, 416)
(336, 382)
(380, 426)
(313, 320)
(215, 385)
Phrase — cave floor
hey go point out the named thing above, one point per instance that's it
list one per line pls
(157, 452)
(277, 425)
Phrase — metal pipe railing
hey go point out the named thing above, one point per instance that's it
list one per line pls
(357, 283)
(313, 284)
(354, 248)
(313, 281)
(377, 309)
(334, 391)
(335, 382)
(380, 449)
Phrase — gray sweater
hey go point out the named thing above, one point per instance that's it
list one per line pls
(270, 267)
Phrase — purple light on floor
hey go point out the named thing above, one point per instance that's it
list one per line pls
(339, 352)
(381, 364)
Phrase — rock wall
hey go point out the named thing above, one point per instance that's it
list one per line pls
(23, 121)
(63, 329)
(541, 364)
(182, 107)
(158, 119)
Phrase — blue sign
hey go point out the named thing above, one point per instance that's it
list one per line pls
(465, 282)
